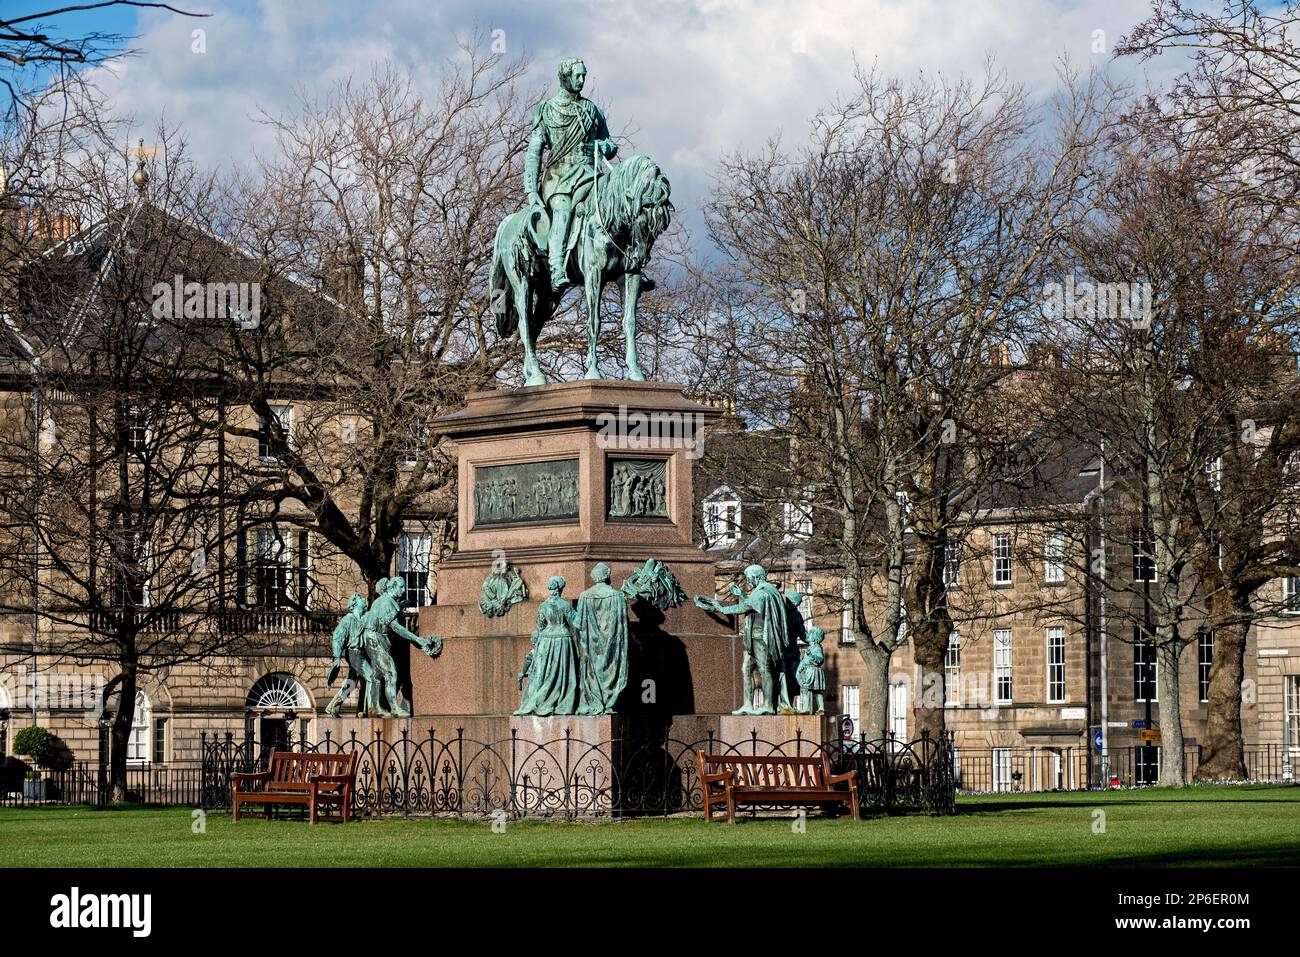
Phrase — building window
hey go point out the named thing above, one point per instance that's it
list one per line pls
(1054, 558)
(952, 669)
(1293, 714)
(847, 637)
(278, 691)
(131, 571)
(952, 565)
(1002, 558)
(1214, 472)
(852, 703)
(137, 744)
(137, 430)
(1144, 668)
(1291, 595)
(797, 519)
(281, 569)
(160, 741)
(904, 509)
(265, 444)
(1002, 666)
(1056, 665)
(1204, 660)
(804, 587)
(414, 561)
(415, 445)
(1144, 562)
(1002, 769)
(721, 521)
(898, 713)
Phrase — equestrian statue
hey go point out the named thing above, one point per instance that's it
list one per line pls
(587, 223)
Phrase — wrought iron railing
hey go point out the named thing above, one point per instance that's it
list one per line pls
(86, 782)
(570, 778)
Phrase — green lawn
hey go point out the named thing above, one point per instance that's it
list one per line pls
(1200, 826)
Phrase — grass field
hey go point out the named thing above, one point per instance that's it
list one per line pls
(1196, 827)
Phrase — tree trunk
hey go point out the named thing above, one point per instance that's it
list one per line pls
(929, 644)
(119, 736)
(874, 717)
(1173, 771)
(1225, 758)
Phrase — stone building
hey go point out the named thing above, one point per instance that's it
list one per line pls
(1046, 683)
(278, 587)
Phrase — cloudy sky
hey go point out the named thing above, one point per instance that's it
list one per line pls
(691, 79)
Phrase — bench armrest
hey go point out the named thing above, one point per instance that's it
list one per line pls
(252, 776)
(850, 777)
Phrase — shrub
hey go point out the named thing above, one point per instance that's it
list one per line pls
(38, 744)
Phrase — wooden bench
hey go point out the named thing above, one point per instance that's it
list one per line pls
(733, 780)
(312, 780)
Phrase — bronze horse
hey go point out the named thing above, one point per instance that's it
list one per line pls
(613, 232)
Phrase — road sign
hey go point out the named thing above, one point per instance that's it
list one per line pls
(1149, 735)
(1096, 740)
(1139, 722)
(846, 727)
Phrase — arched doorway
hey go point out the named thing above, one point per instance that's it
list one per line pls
(279, 711)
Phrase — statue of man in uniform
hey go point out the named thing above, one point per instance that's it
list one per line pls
(766, 637)
(573, 129)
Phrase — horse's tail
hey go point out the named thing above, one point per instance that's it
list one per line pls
(513, 256)
(502, 295)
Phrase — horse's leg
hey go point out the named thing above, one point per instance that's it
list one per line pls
(631, 289)
(593, 278)
(533, 374)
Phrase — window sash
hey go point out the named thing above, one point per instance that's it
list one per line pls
(281, 569)
(414, 563)
(952, 565)
(722, 522)
(1056, 665)
(1002, 666)
(1205, 662)
(804, 587)
(160, 741)
(1145, 676)
(284, 415)
(1291, 595)
(1054, 559)
(1144, 561)
(797, 519)
(952, 670)
(1002, 559)
(846, 614)
(898, 712)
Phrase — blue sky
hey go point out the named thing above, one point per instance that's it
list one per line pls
(687, 79)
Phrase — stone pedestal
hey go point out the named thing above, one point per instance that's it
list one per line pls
(793, 734)
(539, 478)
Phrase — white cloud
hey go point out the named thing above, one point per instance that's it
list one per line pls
(690, 80)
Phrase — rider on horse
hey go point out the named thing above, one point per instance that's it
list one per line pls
(573, 129)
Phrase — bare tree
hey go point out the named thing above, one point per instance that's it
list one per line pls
(387, 200)
(883, 276)
(111, 481)
(1183, 295)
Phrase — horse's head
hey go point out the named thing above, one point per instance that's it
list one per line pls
(635, 206)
